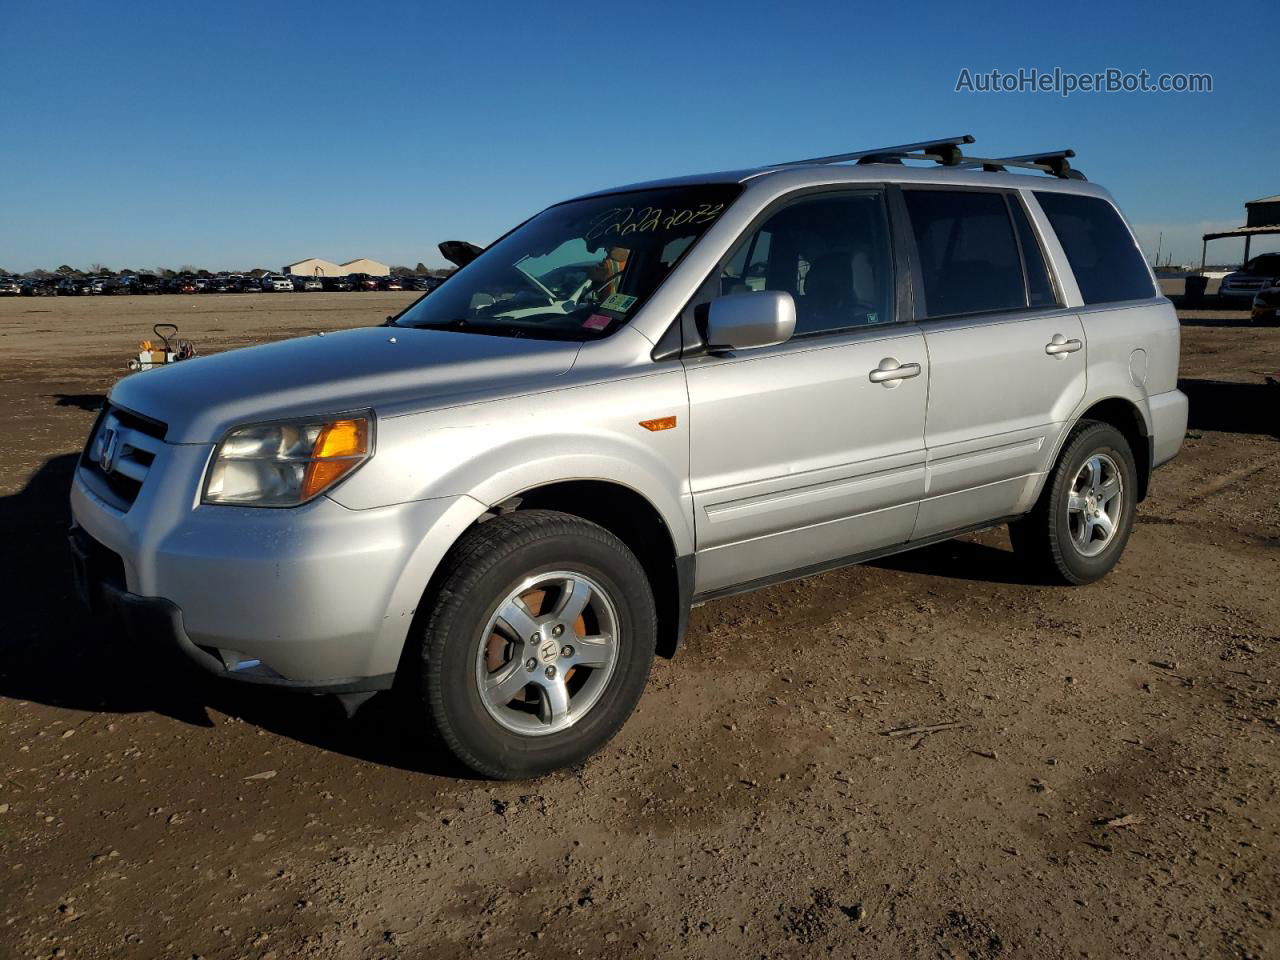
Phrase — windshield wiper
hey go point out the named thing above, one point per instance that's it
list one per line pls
(491, 328)
(458, 324)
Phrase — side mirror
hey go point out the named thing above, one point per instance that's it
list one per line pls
(742, 321)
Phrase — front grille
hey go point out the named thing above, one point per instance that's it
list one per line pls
(120, 452)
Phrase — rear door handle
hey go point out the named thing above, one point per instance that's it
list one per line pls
(1060, 346)
(890, 372)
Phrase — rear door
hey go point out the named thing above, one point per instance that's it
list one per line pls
(1007, 360)
(813, 450)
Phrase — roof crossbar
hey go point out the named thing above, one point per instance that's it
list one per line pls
(1054, 162)
(947, 152)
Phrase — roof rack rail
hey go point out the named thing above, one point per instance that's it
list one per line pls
(1054, 162)
(946, 152)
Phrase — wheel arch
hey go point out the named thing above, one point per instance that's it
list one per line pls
(633, 519)
(1127, 417)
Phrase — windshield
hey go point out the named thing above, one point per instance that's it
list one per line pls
(576, 271)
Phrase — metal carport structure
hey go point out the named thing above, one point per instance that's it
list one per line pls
(1262, 218)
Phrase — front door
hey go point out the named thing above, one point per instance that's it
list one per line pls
(813, 450)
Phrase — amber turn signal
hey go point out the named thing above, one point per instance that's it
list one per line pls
(340, 448)
(661, 423)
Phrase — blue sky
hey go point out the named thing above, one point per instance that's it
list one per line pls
(238, 135)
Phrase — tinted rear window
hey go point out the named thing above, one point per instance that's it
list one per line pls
(1106, 262)
(968, 253)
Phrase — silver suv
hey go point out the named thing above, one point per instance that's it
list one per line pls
(507, 499)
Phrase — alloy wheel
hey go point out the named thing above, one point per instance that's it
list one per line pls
(1094, 504)
(546, 655)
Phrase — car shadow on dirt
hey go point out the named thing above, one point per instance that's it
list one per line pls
(91, 402)
(1232, 407)
(962, 560)
(55, 653)
(1239, 312)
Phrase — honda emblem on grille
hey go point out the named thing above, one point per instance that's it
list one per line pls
(110, 449)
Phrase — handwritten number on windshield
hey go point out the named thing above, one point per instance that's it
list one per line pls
(623, 221)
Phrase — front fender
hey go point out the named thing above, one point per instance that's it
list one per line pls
(495, 450)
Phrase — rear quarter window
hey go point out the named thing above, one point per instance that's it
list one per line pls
(1100, 249)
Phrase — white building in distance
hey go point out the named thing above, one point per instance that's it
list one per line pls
(314, 267)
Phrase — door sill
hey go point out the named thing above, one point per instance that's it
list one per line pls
(847, 561)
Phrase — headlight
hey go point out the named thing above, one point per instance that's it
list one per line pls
(288, 462)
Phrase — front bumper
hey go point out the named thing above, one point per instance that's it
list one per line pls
(320, 596)
(156, 625)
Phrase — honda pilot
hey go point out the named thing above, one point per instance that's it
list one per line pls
(505, 501)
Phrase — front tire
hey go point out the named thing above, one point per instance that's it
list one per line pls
(1082, 521)
(537, 645)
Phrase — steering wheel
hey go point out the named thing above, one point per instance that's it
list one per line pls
(594, 289)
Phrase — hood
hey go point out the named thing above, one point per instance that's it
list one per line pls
(200, 399)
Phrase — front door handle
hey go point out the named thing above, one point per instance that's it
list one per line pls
(1060, 346)
(891, 372)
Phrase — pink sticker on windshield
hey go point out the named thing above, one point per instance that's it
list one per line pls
(597, 321)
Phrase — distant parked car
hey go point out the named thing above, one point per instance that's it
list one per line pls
(362, 281)
(37, 287)
(146, 283)
(220, 285)
(10, 287)
(74, 287)
(1266, 305)
(336, 283)
(1260, 272)
(422, 284)
(275, 284)
(310, 283)
(391, 283)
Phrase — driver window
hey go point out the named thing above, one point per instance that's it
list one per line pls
(831, 253)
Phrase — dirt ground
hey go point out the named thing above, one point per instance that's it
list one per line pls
(1108, 787)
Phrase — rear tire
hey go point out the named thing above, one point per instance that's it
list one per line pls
(537, 645)
(1082, 521)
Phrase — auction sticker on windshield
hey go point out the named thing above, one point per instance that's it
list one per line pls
(619, 302)
(597, 321)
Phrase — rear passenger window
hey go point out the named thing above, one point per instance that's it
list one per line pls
(1039, 287)
(1103, 256)
(968, 253)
